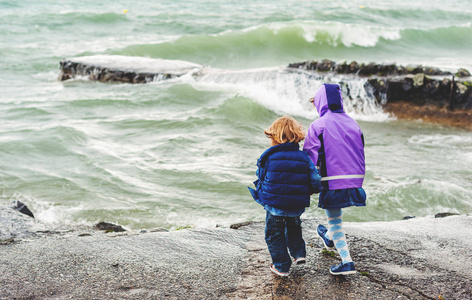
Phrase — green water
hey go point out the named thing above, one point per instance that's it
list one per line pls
(181, 152)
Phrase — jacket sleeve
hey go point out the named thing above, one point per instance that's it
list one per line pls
(258, 181)
(312, 144)
(315, 179)
(260, 173)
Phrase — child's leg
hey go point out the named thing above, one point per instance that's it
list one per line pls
(295, 242)
(277, 243)
(336, 233)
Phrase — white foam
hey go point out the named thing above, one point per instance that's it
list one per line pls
(349, 34)
(443, 140)
(467, 157)
(287, 92)
(335, 33)
(49, 213)
(446, 187)
(101, 45)
(138, 64)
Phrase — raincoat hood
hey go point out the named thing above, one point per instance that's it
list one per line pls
(328, 97)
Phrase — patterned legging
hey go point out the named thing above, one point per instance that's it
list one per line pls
(336, 233)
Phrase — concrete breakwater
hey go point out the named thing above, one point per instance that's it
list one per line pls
(409, 92)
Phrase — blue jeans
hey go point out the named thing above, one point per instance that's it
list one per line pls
(282, 233)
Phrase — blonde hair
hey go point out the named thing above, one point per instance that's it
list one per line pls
(285, 130)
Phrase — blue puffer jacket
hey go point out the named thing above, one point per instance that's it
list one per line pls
(287, 178)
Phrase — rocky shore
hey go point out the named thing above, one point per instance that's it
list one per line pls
(418, 258)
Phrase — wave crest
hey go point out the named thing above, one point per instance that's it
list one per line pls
(336, 33)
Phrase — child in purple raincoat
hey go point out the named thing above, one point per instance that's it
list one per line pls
(335, 143)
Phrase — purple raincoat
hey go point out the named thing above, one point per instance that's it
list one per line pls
(335, 143)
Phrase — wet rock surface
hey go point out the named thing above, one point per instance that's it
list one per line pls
(110, 227)
(430, 114)
(14, 224)
(22, 208)
(393, 260)
(420, 258)
(369, 69)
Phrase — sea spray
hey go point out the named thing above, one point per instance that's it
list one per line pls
(285, 91)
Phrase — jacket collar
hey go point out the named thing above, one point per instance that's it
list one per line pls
(277, 148)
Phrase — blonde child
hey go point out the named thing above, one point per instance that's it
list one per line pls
(286, 179)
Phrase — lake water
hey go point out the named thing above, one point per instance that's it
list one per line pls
(180, 153)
